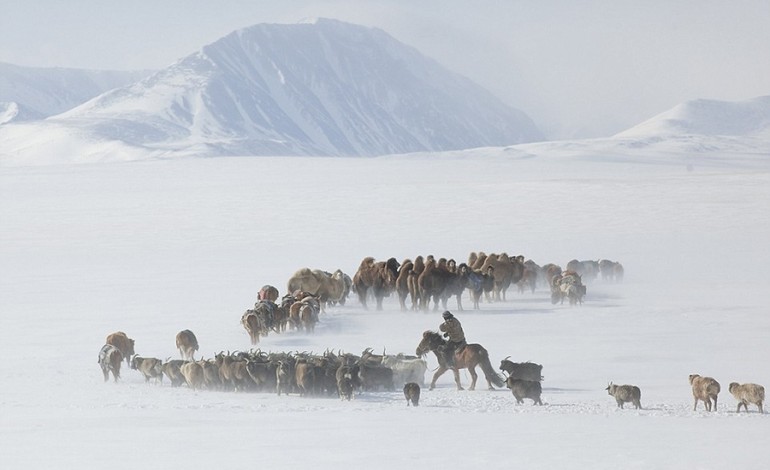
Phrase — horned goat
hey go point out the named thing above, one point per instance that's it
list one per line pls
(625, 394)
(150, 367)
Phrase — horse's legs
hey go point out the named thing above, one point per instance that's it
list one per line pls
(474, 376)
(456, 371)
(439, 372)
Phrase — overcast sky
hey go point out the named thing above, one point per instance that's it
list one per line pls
(578, 68)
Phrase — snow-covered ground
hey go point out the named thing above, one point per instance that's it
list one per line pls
(152, 248)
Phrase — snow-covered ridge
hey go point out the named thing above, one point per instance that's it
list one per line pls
(30, 93)
(321, 88)
(324, 87)
(749, 118)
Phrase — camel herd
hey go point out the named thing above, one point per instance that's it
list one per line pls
(427, 280)
(422, 282)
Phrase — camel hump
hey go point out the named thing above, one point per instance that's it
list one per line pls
(367, 262)
(303, 272)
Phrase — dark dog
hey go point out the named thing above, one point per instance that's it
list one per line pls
(412, 393)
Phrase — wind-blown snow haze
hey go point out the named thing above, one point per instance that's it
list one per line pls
(334, 143)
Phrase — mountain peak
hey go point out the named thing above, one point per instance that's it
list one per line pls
(315, 88)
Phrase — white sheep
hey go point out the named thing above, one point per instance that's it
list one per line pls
(706, 389)
(747, 393)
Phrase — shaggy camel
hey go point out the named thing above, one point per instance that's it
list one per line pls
(402, 282)
(326, 286)
(379, 277)
(439, 284)
(507, 271)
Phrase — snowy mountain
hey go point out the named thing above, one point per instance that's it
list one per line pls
(29, 93)
(322, 88)
(750, 118)
(711, 132)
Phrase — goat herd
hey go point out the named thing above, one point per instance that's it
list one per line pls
(342, 374)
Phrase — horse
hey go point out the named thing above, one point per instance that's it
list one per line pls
(469, 357)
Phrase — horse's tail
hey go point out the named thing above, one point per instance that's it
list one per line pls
(489, 372)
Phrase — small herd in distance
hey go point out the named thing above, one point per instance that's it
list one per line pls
(422, 281)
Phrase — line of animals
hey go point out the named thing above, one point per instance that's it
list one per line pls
(484, 276)
(343, 374)
(423, 280)
(305, 374)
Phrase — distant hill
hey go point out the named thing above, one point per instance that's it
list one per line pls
(29, 93)
(322, 88)
(750, 118)
(692, 134)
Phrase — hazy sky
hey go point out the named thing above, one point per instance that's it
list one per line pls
(578, 68)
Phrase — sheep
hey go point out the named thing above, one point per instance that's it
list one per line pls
(525, 389)
(150, 367)
(747, 393)
(706, 389)
(187, 344)
(625, 394)
(412, 394)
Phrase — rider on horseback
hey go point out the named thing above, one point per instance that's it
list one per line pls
(453, 331)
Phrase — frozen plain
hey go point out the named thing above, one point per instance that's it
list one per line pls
(154, 247)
